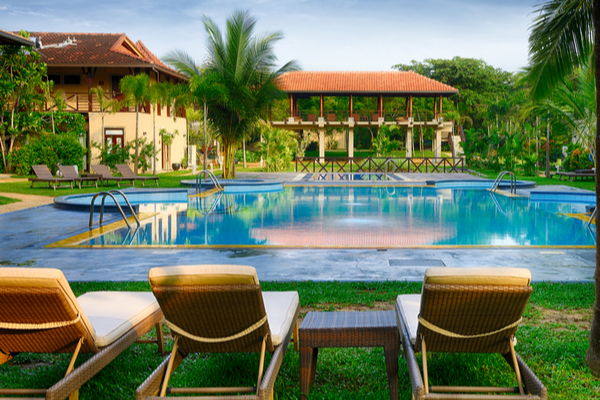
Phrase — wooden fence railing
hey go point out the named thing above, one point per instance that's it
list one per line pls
(378, 164)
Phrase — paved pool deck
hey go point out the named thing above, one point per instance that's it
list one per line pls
(26, 232)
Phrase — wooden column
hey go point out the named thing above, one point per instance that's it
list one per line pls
(380, 105)
(440, 105)
(406, 106)
(435, 114)
(291, 105)
(321, 106)
(351, 105)
(410, 107)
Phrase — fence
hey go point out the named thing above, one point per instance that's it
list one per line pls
(378, 164)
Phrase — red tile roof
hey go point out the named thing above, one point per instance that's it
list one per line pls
(13, 38)
(388, 82)
(98, 49)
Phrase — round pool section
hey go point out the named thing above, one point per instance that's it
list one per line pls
(136, 197)
(239, 185)
(478, 184)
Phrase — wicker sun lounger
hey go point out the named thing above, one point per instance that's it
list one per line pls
(128, 173)
(69, 172)
(466, 310)
(40, 314)
(44, 175)
(108, 176)
(221, 309)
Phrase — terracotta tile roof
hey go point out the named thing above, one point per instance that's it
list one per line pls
(98, 49)
(361, 82)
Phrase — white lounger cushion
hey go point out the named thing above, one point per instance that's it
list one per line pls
(409, 305)
(112, 314)
(280, 308)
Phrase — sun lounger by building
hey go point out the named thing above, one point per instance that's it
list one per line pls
(221, 309)
(40, 314)
(108, 176)
(128, 173)
(466, 310)
(69, 172)
(44, 175)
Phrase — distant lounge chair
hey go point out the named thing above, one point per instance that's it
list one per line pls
(128, 173)
(40, 314)
(108, 176)
(375, 117)
(331, 117)
(312, 118)
(221, 309)
(467, 310)
(44, 175)
(356, 117)
(69, 172)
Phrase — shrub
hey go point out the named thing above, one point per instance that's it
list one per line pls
(578, 159)
(278, 149)
(48, 149)
(251, 156)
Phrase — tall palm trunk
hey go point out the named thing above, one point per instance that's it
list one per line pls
(592, 358)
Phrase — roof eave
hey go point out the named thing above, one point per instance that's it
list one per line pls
(371, 93)
(14, 39)
(148, 65)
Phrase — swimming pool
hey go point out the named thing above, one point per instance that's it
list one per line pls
(308, 216)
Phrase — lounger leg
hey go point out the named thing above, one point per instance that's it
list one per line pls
(516, 365)
(391, 361)
(261, 365)
(163, 390)
(75, 394)
(296, 338)
(308, 367)
(425, 375)
(160, 339)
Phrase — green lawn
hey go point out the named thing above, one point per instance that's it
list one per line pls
(542, 180)
(552, 343)
(7, 200)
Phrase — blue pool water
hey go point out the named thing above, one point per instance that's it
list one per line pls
(358, 217)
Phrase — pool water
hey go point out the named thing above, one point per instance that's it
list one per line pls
(359, 217)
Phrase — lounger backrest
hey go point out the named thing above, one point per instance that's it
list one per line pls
(103, 170)
(40, 314)
(126, 171)
(68, 171)
(213, 301)
(42, 172)
(470, 302)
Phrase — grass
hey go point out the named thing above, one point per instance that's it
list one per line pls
(542, 180)
(7, 200)
(553, 348)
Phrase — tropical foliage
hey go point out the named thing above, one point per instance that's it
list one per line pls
(277, 148)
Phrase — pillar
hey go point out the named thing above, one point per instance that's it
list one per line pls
(409, 141)
(321, 106)
(322, 144)
(291, 105)
(350, 143)
(437, 143)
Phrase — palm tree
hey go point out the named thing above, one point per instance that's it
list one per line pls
(136, 90)
(561, 38)
(105, 105)
(246, 65)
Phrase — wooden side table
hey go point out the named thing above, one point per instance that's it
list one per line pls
(348, 329)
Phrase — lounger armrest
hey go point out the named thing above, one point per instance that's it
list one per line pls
(414, 373)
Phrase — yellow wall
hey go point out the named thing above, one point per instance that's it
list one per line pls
(126, 121)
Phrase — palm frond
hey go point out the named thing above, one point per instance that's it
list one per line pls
(561, 38)
(182, 62)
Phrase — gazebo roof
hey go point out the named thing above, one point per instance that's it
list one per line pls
(396, 83)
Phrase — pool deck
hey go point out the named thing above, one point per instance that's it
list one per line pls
(26, 232)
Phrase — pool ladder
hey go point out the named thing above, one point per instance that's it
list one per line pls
(110, 193)
(386, 166)
(212, 178)
(513, 182)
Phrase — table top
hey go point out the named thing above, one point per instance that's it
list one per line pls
(315, 321)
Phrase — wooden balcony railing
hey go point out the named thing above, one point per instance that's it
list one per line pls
(378, 164)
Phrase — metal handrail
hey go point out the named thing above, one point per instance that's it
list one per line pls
(212, 178)
(593, 216)
(513, 181)
(110, 193)
(386, 166)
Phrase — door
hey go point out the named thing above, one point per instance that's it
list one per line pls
(114, 138)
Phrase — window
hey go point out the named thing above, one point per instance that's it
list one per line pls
(113, 138)
(55, 79)
(72, 79)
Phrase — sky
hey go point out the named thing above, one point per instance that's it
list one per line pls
(321, 35)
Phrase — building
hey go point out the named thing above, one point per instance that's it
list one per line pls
(78, 62)
(379, 85)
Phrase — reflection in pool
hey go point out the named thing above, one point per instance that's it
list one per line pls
(359, 217)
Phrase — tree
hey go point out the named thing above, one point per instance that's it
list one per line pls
(23, 86)
(136, 90)
(246, 65)
(561, 38)
(106, 106)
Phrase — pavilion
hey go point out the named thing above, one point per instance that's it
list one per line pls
(379, 85)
